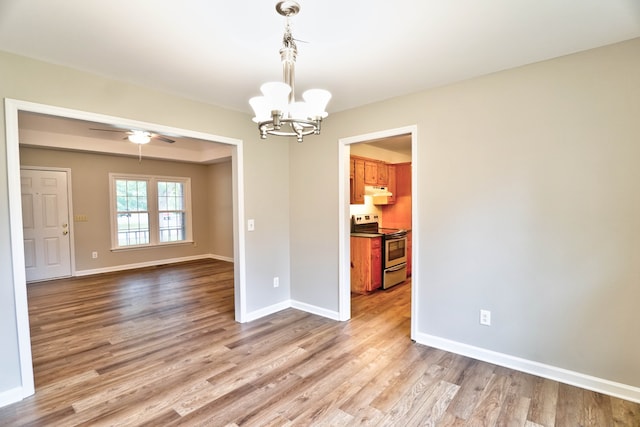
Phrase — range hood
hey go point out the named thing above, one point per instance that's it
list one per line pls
(376, 191)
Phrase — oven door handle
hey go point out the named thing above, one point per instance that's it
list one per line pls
(396, 268)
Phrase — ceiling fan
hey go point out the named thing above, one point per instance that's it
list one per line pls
(138, 136)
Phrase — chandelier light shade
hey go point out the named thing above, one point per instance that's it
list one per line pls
(277, 112)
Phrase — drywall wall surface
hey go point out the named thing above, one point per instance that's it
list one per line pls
(528, 206)
(220, 212)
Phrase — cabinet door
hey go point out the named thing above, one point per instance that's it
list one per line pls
(391, 172)
(370, 173)
(376, 268)
(383, 178)
(358, 182)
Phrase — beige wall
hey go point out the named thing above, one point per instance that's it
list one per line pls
(220, 202)
(210, 188)
(529, 206)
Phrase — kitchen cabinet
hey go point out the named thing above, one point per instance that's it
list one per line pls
(357, 182)
(391, 175)
(363, 171)
(375, 173)
(370, 172)
(383, 176)
(366, 264)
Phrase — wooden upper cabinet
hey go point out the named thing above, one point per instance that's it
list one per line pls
(363, 171)
(375, 173)
(383, 174)
(370, 172)
(391, 175)
(357, 182)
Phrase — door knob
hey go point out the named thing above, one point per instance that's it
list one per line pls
(65, 232)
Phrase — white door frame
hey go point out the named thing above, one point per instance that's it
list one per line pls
(72, 251)
(12, 107)
(344, 297)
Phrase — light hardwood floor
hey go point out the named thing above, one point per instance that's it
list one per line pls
(160, 347)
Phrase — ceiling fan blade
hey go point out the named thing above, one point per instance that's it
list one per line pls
(163, 139)
(155, 135)
(110, 130)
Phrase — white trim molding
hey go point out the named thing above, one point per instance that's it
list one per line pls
(266, 311)
(600, 385)
(313, 309)
(113, 269)
(12, 396)
(302, 306)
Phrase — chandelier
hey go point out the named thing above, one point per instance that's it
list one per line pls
(276, 111)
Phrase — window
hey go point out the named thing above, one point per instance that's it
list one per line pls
(149, 210)
(171, 211)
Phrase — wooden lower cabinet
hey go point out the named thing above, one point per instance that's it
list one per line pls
(366, 264)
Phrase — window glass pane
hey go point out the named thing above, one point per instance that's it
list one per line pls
(131, 195)
(172, 227)
(170, 196)
(133, 229)
(132, 218)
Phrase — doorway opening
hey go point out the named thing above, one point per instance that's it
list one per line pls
(12, 110)
(365, 146)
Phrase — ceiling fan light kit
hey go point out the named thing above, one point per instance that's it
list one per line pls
(139, 137)
(276, 111)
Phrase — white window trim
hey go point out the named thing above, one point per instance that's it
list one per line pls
(152, 208)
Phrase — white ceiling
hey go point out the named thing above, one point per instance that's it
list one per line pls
(45, 131)
(220, 52)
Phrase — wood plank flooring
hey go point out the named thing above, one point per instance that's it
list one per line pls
(160, 347)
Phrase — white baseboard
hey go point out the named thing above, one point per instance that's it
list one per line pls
(153, 263)
(12, 396)
(611, 388)
(334, 315)
(254, 315)
(220, 257)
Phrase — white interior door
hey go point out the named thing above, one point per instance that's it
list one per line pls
(45, 218)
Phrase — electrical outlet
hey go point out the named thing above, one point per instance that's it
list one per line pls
(94, 254)
(276, 282)
(485, 317)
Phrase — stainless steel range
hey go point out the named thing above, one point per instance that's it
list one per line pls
(394, 247)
